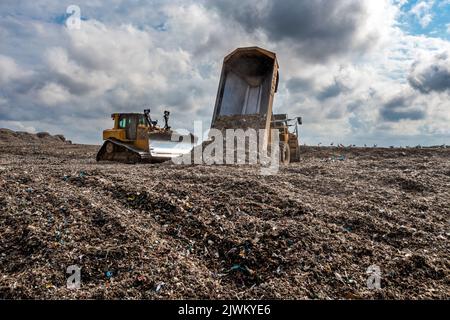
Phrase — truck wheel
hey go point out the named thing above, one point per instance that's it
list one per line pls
(295, 154)
(285, 153)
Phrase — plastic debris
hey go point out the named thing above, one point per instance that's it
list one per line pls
(159, 286)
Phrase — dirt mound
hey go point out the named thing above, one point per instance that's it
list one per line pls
(8, 136)
(310, 231)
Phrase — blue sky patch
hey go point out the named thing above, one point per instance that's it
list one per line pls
(427, 17)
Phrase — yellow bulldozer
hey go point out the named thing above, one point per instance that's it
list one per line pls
(135, 137)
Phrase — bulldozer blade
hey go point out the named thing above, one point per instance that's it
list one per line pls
(163, 146)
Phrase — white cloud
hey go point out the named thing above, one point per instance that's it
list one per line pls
(423, 12)
(400, 3)
(10, 71)
(53, 94)
(17, 126)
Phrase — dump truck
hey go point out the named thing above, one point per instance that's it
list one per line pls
(248, 83)
(135, 138)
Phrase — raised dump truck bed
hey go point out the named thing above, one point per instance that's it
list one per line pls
(248, 83)
(247, 86)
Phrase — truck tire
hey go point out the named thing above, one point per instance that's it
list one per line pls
(285, 153)
(295, 154)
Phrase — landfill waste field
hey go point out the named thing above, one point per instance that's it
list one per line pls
(165, 231)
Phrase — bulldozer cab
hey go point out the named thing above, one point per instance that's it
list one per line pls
(129, 123)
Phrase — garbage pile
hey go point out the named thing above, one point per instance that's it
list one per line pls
(8, 136)
(314, 230)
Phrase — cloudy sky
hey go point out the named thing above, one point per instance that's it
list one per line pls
(358, 71)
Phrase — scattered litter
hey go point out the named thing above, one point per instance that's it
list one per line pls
(347, 228)
(159, 286)
(310, 231)
(337, 158)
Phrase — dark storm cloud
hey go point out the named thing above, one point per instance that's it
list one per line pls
(355, 105)
(73, 86)
(319, 29)
(431, 76)
(399, 108)
(298, 85)
(335, 113)
(331, 91)
(397, 115)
